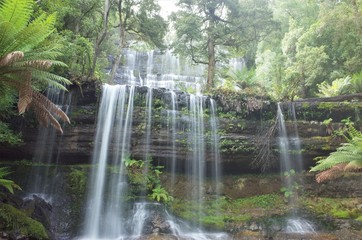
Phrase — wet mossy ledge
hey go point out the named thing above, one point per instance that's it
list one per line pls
(242, 120)
(250, 204)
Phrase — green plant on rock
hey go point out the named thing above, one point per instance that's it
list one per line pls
(144, 178)
(8, 136)
(8, 184)
(161, 195)
(16, 222)
(347, 158)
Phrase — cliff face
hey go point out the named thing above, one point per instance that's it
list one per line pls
(243, 133)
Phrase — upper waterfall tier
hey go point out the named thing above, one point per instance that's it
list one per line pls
(158, 70)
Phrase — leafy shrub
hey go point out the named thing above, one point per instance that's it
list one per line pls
(338, 87)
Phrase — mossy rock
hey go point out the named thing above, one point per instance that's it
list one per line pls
(16, 222)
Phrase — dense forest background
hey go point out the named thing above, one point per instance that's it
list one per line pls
(291, 48)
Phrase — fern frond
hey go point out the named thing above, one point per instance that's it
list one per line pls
(348, 152)
(353, 166)
(45, 52)
(17, 12)
(30, 37)
(25, 94)
(50, 78)
(37, 64)
(332, 173)
(11, 58)
(50, 106)
(45, 117)
(6, 36)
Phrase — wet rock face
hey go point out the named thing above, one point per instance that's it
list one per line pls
(239, 133)
(347, 186)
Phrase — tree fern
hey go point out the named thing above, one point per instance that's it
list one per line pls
(25, 60)
(16, 12)
(349, 155)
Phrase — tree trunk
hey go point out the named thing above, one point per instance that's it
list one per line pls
(101, 37)
(211, 64)
(122, 41)
(211, 52)
(341, 98)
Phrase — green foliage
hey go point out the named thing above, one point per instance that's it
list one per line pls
(144, 178)
(208, 31)
(77, 53)
(338, 87)
(26, 59)
(16, 222)
(320, 42)
(356, 82)
(20, 35)
(342, 208)
(8, 184)
(161, 195)
(8, 136)
(219, 212)
(292, 187)
(77, 181)
(349, 153)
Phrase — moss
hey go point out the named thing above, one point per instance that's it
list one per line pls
(15, 221)
(214, 221)
(342, 214)
(341, 208)
(218, 213)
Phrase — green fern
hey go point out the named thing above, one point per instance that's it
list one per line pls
(349, 153)
(26, 59)
(8, 184)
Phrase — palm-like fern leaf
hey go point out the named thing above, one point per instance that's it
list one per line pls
(33, 34)
(348, 157)
(24, 62)
(50, 106)
(334, 172)
(8, 184)
(17, 12)
(11, 57)
(25, 93)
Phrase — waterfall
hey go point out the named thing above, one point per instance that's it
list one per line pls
(106, 192)
(48, 148)
(291, 163)
(283, 143)
(196, 169)
(216, 167)
(172, 129)
(159, 70)
(237, 64)
(108, 215)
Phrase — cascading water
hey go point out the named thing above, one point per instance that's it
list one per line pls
(196, 169)
(291, 162)
(157, 70)
(216, 168)
(172, 129)
(107, 216)
(106, 192)
(45, 175)
(46, 148)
